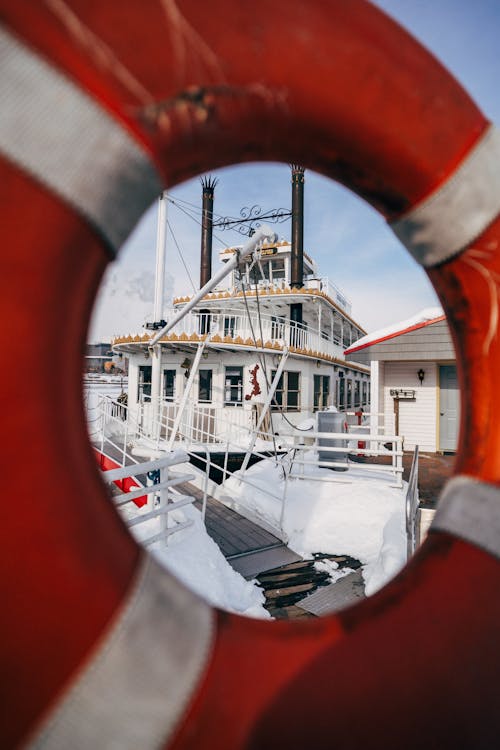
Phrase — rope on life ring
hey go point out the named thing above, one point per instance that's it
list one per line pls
(100, 647)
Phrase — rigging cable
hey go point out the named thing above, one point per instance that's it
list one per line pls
(181, 256)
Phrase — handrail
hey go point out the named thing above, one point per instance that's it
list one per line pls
(176, 457)
(159, 490)
(412, 503)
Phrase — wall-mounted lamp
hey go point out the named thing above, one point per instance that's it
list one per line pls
(421, 375)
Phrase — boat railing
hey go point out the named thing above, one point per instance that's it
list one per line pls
(232, 430)
(344, 450)
(355, 444)
(111, 428)
(161, 501)
(296, 460)
(203, 423)
(233, 326)
(324, 284)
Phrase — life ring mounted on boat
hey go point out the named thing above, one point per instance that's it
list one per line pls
(92, 96)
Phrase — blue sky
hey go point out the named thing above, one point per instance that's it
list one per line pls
(347, 238)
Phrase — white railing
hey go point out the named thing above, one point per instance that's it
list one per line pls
(234, 324)
(339, 445)
(203, 423)
(322, 284)
(331, 290)
(295, 458)
(161, 502)
(108, 417)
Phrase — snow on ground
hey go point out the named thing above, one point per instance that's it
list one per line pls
(357, 513)
(194, 558)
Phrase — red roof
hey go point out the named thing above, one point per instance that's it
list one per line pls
(394, 334)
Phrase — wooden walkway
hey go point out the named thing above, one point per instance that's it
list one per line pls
(234, 534)
(287, 580)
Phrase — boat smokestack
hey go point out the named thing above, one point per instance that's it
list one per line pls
(297, 255)
(208, 184)
(297, 259)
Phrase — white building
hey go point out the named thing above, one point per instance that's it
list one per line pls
(414, 384)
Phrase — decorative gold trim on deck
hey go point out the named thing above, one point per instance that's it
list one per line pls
(238, 341)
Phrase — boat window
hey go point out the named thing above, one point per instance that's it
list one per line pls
(349, 394)
(341, 391)
(259, 272)
(292, 391)
(347, 335)
(357, 391)
(321, 391)
(278, 269)
(144, 385)
(287, 394)
(233, 389)
(363, 391)
(168, 385)
(205, 386)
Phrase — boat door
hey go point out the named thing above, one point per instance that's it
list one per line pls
(449, 407)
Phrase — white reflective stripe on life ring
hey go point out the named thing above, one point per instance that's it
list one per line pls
(59, 135)
(138, 684)
(459, 211)
(470, 510)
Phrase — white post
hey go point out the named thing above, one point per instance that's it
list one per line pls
(375, 406)
(185, 395)
(161, 233)
(155, 389)
(265, 408)
(163, 504)
(124, 457)
(319, 326)
(283, 501)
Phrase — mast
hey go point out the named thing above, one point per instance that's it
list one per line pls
(160, 259)
(158, 321)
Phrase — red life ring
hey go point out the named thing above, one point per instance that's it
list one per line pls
(90, 92)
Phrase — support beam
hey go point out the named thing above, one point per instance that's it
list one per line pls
(265, 409)
(155, 391)
(186, 394)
